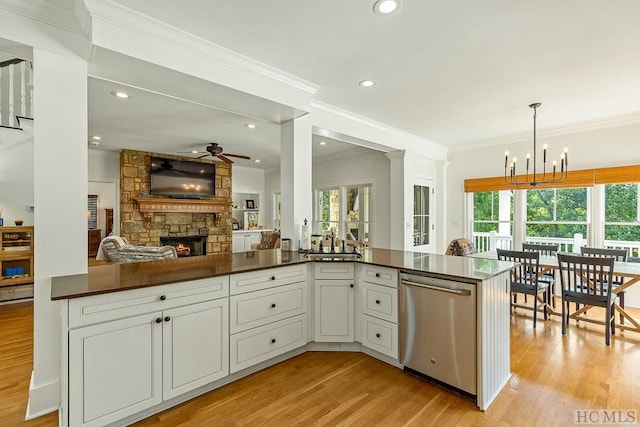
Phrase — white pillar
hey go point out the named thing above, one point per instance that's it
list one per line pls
(295, 177)
(400, 223)
(504, 212)
(60, 196)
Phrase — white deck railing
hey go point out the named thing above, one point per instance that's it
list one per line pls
(16, 91)
(487, 241)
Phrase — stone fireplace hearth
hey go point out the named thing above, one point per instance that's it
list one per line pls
(146, 220)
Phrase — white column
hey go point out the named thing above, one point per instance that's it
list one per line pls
(295, 177)
(401, 224)
(504, 212)
(519, 218)
(60, 196)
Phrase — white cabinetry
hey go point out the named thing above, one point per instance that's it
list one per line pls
(131, 350)
(242, 240)
(268, 314)
(334, 300)
(378, 289)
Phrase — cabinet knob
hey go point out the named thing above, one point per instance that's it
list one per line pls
(163, 297)
(378, 275)
(377, 335)
(273, 305)
(166, 319)
(159, 320)
(351, 285)
(273, 277)
(273, 340)
(377, 301)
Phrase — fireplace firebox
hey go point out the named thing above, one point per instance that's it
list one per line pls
(187, 245)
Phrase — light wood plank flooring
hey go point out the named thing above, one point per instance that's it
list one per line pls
(552, 377)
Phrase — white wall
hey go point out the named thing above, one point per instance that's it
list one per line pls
(16, 183)
(615, 146)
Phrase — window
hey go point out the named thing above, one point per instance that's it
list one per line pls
(555, 215)
(493, 216)
(347, 211)
(622, 217)
(421, 224)
(358, 213)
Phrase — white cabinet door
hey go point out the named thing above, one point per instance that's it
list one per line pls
(334, 311)
(195, 346)
(115, 369)
(254, 238)
(238, 242)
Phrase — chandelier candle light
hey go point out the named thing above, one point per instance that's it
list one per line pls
(510, 174)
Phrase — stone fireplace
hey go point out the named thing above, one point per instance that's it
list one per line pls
(187, 245)
(145, 220)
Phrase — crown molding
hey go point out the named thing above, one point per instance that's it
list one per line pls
(401, 140)
(574, 128)
(121, 17)
(76, 21)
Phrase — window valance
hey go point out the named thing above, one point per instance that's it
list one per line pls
(579, 178)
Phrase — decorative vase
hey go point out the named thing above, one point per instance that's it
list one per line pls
(19, 222)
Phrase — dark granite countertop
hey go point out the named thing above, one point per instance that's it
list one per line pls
(119, 277)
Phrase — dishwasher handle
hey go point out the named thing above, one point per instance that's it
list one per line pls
(461, 292)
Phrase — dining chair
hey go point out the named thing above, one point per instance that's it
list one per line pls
(618, 255)
(548, 249)
(525, 279)
(588, 280)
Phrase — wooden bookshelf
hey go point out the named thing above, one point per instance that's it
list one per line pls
(16, 255)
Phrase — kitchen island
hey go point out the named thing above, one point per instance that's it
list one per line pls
(139, 338)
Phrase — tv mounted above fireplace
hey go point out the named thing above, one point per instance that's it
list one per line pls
(182, 179)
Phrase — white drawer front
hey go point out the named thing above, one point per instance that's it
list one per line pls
(257, 345)
(380, 336)
(118, 305)
(264, 279)
(380, 301)
(261, 307)
(334, 270)
(380, 275)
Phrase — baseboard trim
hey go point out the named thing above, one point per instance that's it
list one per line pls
(43, 399)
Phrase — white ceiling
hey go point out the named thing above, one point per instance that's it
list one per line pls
(455, 72)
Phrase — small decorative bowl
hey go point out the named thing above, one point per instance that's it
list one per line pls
(19, 222)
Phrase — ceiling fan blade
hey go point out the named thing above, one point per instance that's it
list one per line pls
(240, 156)
(204, 155)
(224, 159)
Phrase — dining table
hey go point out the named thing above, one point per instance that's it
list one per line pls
(628, 271)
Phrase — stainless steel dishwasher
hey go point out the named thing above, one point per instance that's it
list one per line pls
(438, 329)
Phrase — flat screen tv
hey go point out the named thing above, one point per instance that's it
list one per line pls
(182, 179)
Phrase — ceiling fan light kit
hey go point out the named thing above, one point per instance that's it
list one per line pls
(216, 151)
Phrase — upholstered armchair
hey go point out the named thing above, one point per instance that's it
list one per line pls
(268, 240)
(116, 249)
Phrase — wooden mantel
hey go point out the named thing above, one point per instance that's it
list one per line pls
(149, 205)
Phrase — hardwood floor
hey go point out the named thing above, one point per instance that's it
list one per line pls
(552, 376)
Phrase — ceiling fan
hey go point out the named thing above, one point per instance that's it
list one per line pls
(213, 149)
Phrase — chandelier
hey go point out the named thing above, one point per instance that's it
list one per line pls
(531, 178)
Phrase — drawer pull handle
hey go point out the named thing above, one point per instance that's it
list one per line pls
(378, 275)
(273, 277)
(273, 340)
(351, 285)
(163, 297)
(378, 335)
(159, 320)
(273, 305)
(166, 319)
(377, 301)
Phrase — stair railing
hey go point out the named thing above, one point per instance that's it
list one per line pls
(16, 84)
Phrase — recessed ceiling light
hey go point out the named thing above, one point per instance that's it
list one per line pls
(250, 125)
(96, 138)
(257, 160)
(366, 83)
(120, 94)
(385, 7)
(194, 151)
(322, 143)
